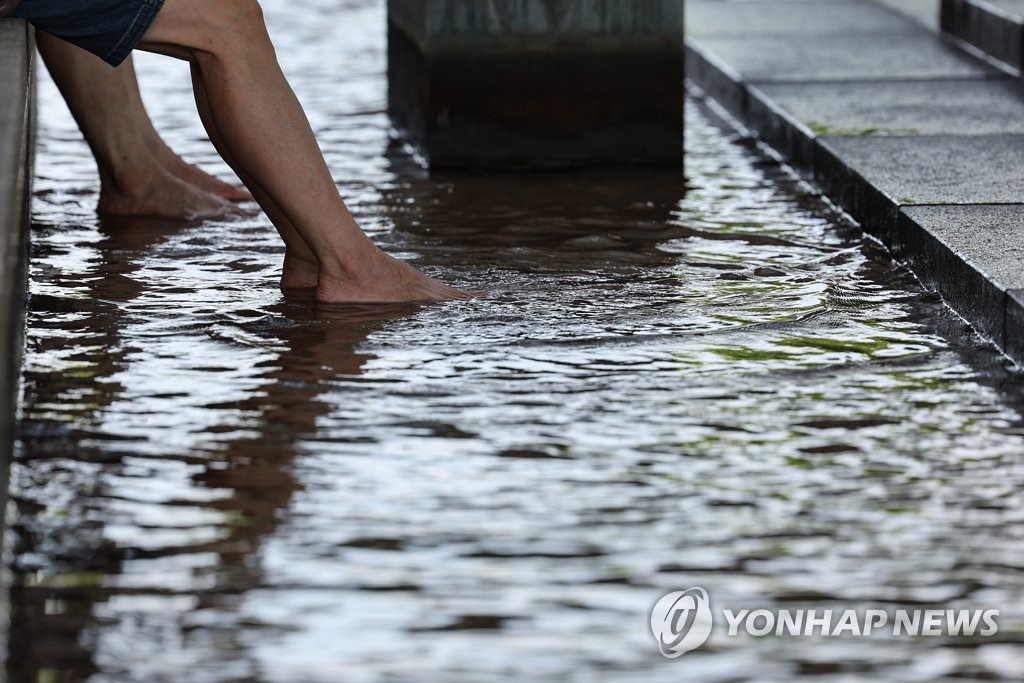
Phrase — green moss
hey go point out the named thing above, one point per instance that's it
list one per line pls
(738, 354)
(867, 347)
(911, 381)
(900, 510)
(907, 200)
(71, 580)
(49, 676)
(823, 129)
(732, 319)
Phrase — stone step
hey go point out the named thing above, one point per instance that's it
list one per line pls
(996, 27)
(919, 142)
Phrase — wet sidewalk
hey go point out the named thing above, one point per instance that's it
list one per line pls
(917, 139)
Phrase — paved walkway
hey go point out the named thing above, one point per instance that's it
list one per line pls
(918, 140)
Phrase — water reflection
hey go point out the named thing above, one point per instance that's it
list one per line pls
(596, 220)
(200, 546)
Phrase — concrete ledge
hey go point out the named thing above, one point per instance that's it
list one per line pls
(924, 12)
(996, 27)
(538, 83)
(538, 24)
(17, 57)
(873, 176)
(960, 251)
(487, 106)
(925, 154)
(1015, 323)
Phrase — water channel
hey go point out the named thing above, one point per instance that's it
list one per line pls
(715, 383)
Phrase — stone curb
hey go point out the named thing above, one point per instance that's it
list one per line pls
(994, 28)
(865, 175)
(17, 128)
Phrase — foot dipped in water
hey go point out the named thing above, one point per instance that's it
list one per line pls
(169, 187)
(160, 194)
(300, 273)
(380, 278)
(195, 176)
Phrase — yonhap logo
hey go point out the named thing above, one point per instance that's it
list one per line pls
(681, 621)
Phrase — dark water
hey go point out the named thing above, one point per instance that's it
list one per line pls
(722, 386)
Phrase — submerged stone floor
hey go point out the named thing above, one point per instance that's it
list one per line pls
(714, 383)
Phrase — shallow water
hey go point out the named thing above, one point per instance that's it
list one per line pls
(718, 385)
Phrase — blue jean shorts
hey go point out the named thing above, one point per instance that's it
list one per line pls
(109, 29)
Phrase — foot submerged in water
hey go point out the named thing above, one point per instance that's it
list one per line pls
(299, 274)
(195, 176)
(164, 197)
(384, 279)
(171, 189)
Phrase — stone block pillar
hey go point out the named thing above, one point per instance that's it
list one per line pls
(538, 83)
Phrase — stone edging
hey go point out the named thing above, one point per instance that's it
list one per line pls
(17, 129)
(992, 29)
(938, 180)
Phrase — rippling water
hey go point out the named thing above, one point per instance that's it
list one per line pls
(718, 385)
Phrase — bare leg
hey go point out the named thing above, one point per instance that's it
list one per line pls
(139, 173)
(300, 265)
(263, 129)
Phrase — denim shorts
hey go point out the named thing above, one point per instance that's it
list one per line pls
(109, 29)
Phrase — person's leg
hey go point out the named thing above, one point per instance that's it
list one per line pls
(139, 173)
(265, 132)
(300, 268)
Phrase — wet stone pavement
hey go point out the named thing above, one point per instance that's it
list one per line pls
(716, 384)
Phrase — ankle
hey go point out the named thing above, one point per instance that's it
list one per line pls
(300, 257)
(130, 176)
(165, 157)
(126, 159)
(353, 258)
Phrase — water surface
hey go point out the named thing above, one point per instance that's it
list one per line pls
(719, 385)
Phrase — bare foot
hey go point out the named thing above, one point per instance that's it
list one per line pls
(298, 273)
(193, 175)
(383, 279)
(158, 193)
